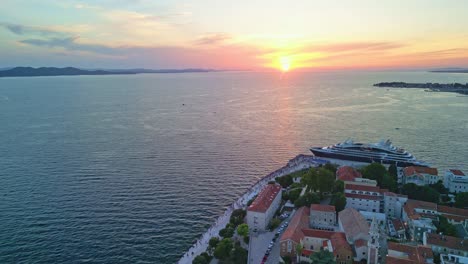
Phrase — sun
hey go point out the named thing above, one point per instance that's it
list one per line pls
(285, 63)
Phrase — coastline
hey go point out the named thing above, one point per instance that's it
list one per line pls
(299, 162)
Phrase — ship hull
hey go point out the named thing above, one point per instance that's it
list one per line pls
(318, 152)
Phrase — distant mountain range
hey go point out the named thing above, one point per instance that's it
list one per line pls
(68, 71)
(450, 70)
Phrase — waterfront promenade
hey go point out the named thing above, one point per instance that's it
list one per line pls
(298, 163)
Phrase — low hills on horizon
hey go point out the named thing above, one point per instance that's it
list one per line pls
(72, 71)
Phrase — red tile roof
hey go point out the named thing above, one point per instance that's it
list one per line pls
(395, 260)
(299, 221)
(411, 205)
(447, 241)
(363, 196)
(446, 210)
(306, 252)
(365, 188)
(353, 223)
(347, 173)
(337, 239)
(322, 207)
(360, 243)
(412, 170)
(265, 198)
(457, 172)
(398, 224)
(416, 254)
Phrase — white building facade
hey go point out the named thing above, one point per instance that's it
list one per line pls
(456, 181)
(264, 207)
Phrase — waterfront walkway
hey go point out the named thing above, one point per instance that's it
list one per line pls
(298, 163)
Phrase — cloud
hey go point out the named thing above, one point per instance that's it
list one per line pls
(71, 44)
(212, 39)
(354, 46)
(29, 30)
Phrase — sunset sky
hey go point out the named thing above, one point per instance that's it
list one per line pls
(238, 34)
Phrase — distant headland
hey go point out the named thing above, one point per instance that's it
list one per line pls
(431, 87)
(71, 71)
(450, 70)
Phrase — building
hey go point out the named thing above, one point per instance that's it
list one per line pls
(334, 242)
(293, 234)
(393, 204)
(420, 175)
(442, 244)
(356, 228)
(401, 254)
(264, 207)
(453, 259)
(363, 197)
(419, 215)
(312, 240)
(322, 217)
(373, 199)
(373, 244)
(396, 228)
(456, 181)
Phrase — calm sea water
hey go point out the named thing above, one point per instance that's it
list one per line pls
(132, 169)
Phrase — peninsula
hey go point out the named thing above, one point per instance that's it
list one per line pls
(71, 71)
(432, 87)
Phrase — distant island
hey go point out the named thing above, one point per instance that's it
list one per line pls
(432, 87)
(71, 71)
(451, 70)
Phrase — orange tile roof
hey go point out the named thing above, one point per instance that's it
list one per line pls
(411, 205)
(446, 210)
(322, 207)
(412, 170)
(457, 172)
(395, 260)
(265, 198)
(398, 224)
(447, 241)
(353, 223)
(299, 221)
(360, 243)
(417, 254)
(347, 173)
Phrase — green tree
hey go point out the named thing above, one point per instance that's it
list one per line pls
(214, 241)
(443, 226)
(423, 193)
(274, 223)
(374, 171)
(294, 194)
(307, 199)
(389, 183)
(285, 181)
(461, 200)
(439, 187)
(243, 230)
(331, 167)
(287, 259)
(325, 180)
(338, 186)
(227, 232)
(237, 217)
(322, 257)
(200, 260)
(223, 249)
(239, 255)
(299, 249)
(392, 170)
(310, 179)
(339, 201)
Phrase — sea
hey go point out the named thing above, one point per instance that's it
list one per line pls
(134, 168)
